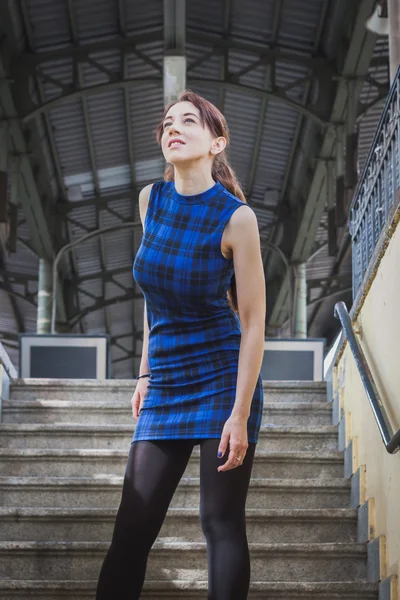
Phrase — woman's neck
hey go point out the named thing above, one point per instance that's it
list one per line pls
(192, 181)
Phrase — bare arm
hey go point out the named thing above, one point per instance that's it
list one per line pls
(244, 238)
(144, 363)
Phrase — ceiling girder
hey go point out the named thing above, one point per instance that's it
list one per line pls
(130, 42)
(13, 302)
(269, 83)
(129, 128)
(80, 82)
(174, 67)
(115, 83)
(41, 240)
(318, 282)
(101, 304)
(297, 133)
(356, 63)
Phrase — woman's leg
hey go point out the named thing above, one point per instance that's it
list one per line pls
(222, 512)
(153, 471)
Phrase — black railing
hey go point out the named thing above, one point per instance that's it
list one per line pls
(377, 188)
(391, 441)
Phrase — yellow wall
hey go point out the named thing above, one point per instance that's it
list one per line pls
(379, 324)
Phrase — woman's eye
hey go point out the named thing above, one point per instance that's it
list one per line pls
(166, 125)
(189, 119)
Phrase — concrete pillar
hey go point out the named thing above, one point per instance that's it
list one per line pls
(174, 77)
(300, 316)
(43, 324)
(394, 36)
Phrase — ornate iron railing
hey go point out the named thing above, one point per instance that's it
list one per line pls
(377, 188)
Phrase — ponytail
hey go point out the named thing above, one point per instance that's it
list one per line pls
(223, 172)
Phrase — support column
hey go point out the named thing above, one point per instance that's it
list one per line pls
(45, 282)
(300, 316)
(340, 216)
(394, 36)
(174, 49)
(4, 139)
(331, 208)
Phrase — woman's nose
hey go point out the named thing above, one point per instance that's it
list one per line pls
(173, 129)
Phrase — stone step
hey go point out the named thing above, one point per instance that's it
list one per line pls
(96, 524)
(106, 412)
(122, 390)
(103, 492)
(118, 437)
(85, 463)
(180, 590)
(185, 561)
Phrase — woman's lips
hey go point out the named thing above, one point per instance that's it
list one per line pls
(174, 143)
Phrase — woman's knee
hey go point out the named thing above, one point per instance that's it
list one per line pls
(221, 524)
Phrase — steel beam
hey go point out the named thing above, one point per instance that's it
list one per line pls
(11, 293)
(99, 225)
(81, 51)
(224, 66)
(56, 161)
(300, 120)
(41, 241)
(246, 90)
(128, 43)
(130, 134)
(356, 63)
(19, 321)
(268, 83)
(250, 46)
(102, 304)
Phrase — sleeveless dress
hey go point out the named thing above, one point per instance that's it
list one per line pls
(194, 335)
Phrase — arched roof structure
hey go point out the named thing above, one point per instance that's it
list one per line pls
(82, 90)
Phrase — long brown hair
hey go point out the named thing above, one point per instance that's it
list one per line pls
(211, 117)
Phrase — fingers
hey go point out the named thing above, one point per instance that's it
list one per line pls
(223, 444)
(235, 458)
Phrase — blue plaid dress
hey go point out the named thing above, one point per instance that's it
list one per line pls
(194, 335)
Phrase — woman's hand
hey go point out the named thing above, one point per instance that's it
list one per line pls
(139, 395)
(234, 433)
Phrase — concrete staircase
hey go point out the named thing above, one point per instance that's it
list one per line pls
(63, 450)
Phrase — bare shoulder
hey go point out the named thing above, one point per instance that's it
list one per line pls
(144, 196)
(241, 225)
(244, 215)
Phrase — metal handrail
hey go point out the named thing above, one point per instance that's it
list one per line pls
(390, 439)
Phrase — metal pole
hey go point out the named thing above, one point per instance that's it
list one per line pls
(300, 328)
(43, 323)
(394, 36)
(340, 216)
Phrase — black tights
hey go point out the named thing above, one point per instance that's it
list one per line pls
(152, 474)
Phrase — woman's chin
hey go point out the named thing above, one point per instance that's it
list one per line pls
(181, 160)
(178, 160)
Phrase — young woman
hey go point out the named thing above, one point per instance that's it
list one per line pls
(199, 264)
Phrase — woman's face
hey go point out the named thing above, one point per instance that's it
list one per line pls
(184, 138)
